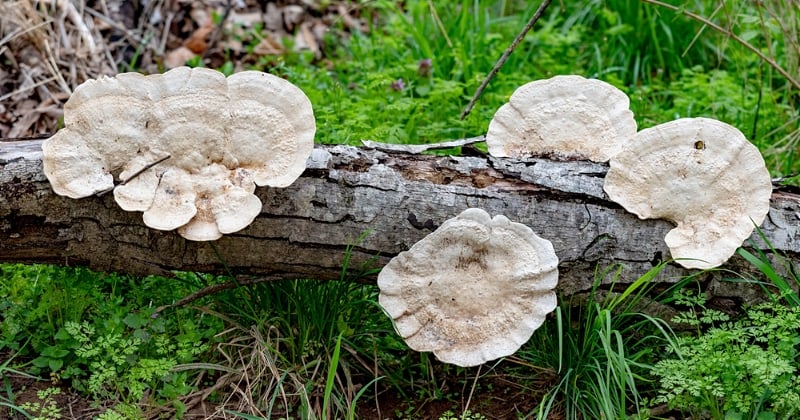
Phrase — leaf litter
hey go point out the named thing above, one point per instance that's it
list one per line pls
(47, 48)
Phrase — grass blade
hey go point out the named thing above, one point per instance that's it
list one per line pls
(331, 377)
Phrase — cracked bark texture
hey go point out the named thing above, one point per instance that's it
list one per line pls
(303, 230)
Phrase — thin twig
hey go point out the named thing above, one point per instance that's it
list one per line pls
(416, 149)
(215, 288)
(27, 88)
(735, 37)
(700, 32)
(148, 166)
(33, 137)
(439, 23)
(219, 29)
(505, 56)
(474, 384)
(129, 36)
(135, 174)
(54, 68)
(20, 32)
(72, 13)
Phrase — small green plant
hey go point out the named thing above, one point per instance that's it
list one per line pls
(120, 362)
(7, 396)
(100, 334)
(745, 368)
(36, 300)
(46, 408)
(123, 412)
(114, 364)
(466, 415)
(110, 415)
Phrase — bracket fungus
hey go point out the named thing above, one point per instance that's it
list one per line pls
(701, 174)
(564, 116)
(186, 147)
(473, 290)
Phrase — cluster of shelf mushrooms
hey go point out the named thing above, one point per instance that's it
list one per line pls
(187, 147)
(130, 134)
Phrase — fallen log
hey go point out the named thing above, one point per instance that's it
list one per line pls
(393, 199)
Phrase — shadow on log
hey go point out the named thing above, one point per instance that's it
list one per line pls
(303, 230)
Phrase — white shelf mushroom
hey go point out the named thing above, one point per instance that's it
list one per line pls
(701, 174)
(472, 291)
(565, 117)
(188, 147)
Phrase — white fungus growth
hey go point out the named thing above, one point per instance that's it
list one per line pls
(562, 117)
(472, 291)
(186, 147)
(701, 174)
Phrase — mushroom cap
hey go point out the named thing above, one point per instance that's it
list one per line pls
(701, 174)
(222, 137)
(472, 291)
(564, 116)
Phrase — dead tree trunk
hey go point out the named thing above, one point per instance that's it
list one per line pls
(395, 198)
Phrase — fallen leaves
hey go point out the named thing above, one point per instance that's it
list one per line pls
(48, 48)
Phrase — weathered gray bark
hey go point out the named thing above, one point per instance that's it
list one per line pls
(303, 230)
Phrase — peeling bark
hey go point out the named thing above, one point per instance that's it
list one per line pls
(303, 230)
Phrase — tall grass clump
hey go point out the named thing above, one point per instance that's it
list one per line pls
(785, 287)
(634, 43)
(599, 349)
(736, 61)
(298, 348)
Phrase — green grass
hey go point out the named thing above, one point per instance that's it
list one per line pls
(416, 70)
(7, 395)
(599, 350)
(786, 286)
(294, 332)
(671, 66)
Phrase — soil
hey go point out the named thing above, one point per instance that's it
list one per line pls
(497, 397)
(70, 404)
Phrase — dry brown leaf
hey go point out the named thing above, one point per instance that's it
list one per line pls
(27, 117)
(269, 45)
(198, 41)
(304, 40)
(350, 22)
(293, 15)
(247, 19)
(178, 57)
(273, 19)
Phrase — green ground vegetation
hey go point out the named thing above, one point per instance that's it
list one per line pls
(416, 70)
(309, 349)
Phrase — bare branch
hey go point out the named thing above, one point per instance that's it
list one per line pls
(504, 57)
(416, 149)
